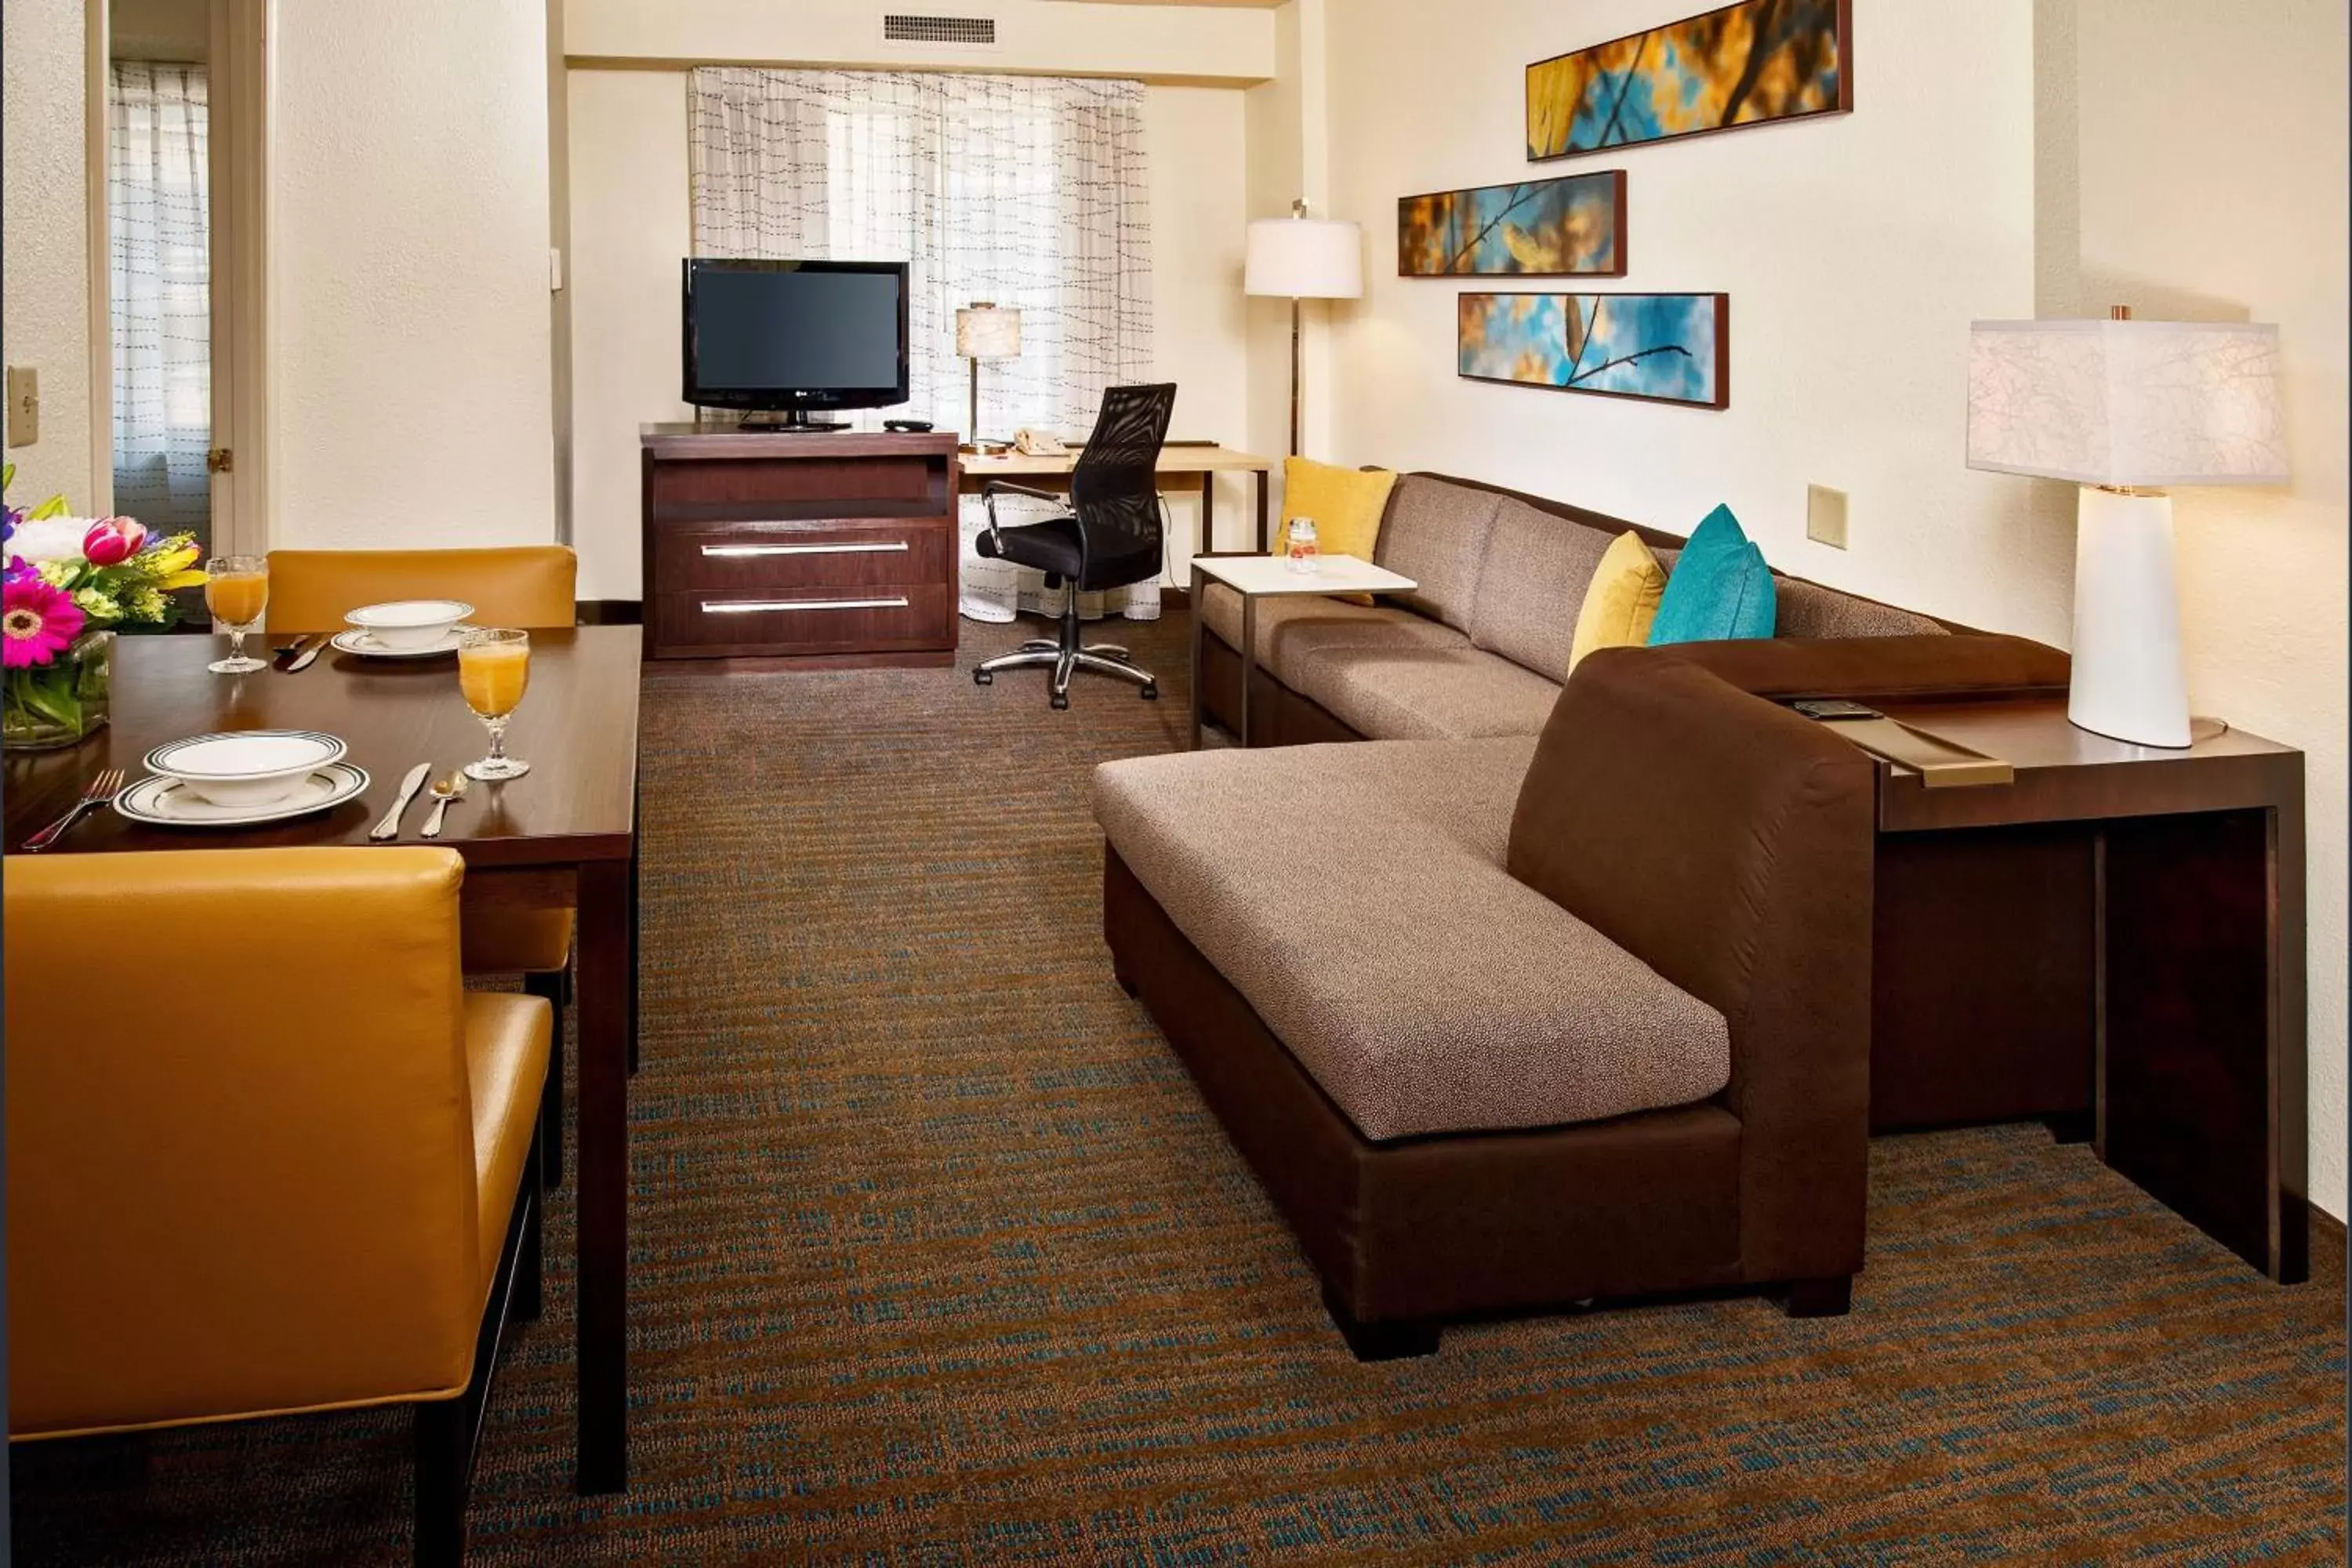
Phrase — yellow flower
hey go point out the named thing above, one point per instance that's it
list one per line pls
(181, 580)
(171, 559)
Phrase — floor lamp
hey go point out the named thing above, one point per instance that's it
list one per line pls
(1300, 257)
(2122, 408)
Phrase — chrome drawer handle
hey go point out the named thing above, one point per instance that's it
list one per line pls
(761, 607)
(895, 547)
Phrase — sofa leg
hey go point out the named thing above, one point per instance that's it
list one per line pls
(1381, 1342)
(1828, 1297)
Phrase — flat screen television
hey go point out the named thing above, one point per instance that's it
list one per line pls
(793, 337)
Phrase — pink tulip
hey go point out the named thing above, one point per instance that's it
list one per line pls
(112, 540)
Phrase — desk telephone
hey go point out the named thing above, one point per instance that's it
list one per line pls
(1038, 444)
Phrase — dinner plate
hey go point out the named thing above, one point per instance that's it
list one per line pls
(165, 803)
(364, 644)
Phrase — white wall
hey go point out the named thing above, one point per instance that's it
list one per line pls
(2187, 209)
(630, 225)
(411, 276)
(1855, 251)
(45, 263)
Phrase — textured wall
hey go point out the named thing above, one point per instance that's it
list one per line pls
(412, 332)
(2188, 211)
(44, 265)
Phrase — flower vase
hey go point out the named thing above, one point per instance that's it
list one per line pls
(46, 706)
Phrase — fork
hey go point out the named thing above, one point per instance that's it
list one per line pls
(103, 789)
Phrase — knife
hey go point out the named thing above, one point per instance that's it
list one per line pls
(302, 660)
(390, 826)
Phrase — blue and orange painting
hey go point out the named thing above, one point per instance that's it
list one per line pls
(1744, 65)
(1669, 347)
(1571, 228)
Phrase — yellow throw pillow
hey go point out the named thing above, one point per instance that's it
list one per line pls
(1621, 600)
(1345, 504)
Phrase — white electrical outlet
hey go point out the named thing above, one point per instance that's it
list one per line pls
(1825, 516)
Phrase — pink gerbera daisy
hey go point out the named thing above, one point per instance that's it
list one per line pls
(37, 623)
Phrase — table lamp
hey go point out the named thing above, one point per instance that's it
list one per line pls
(2122, 408)
(983, 331)
(1299, 257)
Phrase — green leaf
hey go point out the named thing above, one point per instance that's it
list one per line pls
(53, 507)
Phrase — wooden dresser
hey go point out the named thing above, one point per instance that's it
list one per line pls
(830, 548)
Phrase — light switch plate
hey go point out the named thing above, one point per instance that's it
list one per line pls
(1825, 516)
(24, 390)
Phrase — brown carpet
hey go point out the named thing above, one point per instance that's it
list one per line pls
(938, 1259)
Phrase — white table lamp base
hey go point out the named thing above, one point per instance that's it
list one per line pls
(2127, 682)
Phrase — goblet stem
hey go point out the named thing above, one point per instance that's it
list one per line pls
(498, 728)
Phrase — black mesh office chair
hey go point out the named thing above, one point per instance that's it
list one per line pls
(1110, 537)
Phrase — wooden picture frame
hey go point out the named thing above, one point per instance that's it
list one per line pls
(1574, 227)
(1679, 354)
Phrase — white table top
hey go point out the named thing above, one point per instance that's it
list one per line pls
(1268, 574)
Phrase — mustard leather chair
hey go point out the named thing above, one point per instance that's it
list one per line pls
(286, 1167)
(528, 586)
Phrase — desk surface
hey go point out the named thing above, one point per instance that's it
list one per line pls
(1173, 460)
(577, 728)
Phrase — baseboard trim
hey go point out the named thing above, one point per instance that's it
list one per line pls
(611, 613)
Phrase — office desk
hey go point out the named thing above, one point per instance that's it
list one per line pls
(1184, 463)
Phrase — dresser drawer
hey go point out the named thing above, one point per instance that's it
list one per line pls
(733, 622)
(852, 552)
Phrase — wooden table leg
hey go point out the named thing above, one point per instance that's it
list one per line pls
(1208, 511)
(607, 1026)
(1249, 653)
(1193, 595)
(1262, 543)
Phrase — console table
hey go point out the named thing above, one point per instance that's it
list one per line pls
(2116, 937)
(822, 547)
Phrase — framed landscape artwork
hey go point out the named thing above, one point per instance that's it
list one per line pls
(1570, 227)
(1748, 64)
(1669, 348)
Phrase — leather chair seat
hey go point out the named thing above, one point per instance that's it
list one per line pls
(511, 942)
(506, 1068)
(1052, 546)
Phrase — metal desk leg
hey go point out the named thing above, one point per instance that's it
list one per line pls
(1262, 545)
(1208, 511)
(1249, 656)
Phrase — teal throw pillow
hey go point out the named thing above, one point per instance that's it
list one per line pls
(1720, 587)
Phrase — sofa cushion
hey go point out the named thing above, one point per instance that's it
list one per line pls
(1347, 505)
(1810, 610)
(1719, 589)
(1437, 533)
(1383, 943)
(1621, 600)
(1290, 625)
(1531, 587)
(1392, 693)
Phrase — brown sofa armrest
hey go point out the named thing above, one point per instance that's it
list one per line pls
(1728, 843)
(1971, 664)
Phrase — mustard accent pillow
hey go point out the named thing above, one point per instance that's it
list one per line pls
(1621, 600)
(1345, 504)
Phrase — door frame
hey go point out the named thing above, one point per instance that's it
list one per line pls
(241, 72)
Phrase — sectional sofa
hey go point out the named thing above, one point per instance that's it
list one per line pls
(1557, 989)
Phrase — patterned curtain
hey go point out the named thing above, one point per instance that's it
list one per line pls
(1030, 192)
(158, 200)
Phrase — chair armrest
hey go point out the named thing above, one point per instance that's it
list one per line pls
(990, 491)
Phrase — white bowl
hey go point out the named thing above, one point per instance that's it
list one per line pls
(408, 624)
(248, 769)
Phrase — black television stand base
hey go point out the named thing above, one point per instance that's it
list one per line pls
(792, 420)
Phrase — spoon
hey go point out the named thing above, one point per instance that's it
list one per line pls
(444, 791)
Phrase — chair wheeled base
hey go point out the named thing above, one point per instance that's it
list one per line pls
(1065, 656)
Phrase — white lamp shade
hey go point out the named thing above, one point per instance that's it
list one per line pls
(2126, 403)
(988, 332)
(1305, 259)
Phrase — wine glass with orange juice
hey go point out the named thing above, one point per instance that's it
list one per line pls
(237, 592)
(493, 672)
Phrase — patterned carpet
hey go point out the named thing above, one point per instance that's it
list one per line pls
(937, 1260)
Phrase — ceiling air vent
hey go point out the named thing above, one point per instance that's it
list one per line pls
(969, 32)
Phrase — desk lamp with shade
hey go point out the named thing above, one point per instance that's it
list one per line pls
(1299, 257)
(2122, 408)
(983, 330)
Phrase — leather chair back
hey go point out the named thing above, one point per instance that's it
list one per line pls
(240, 1161)
(527, 586)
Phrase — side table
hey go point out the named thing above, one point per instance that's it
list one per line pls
(1257, 577)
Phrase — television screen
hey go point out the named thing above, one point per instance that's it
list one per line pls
(795, 335)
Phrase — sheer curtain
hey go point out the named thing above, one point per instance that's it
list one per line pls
(1031, 192)
(158, 212)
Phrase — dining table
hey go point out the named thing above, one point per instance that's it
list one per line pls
(562, 836)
